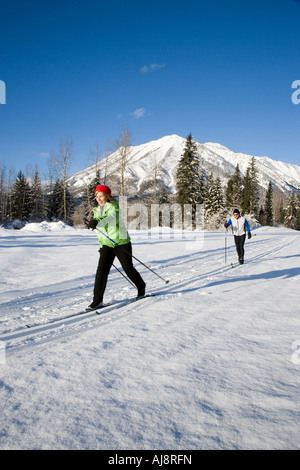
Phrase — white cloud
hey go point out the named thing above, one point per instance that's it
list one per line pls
(151, 67)
(44, 154)
(139, 113)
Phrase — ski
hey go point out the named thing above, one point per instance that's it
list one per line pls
(234, 265)
(72, 315)
(98, 311)
(128, 302)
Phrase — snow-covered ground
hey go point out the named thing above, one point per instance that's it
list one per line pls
(211, 363)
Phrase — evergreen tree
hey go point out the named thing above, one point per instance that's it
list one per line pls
(37, 199)
(298, 209)
(229, 194)
(281, 213)
(269, 206)
(54, 203)
(214, 205)
(61, 204)
(262, 216)
(219, 196)
(246, 193)
(254, 188)
(21, 199)
(3, 195)
(189, 178)
(234, 190)
(164, 197)
(290, 219)
(251, 190)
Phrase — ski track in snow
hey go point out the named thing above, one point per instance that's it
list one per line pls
(199, 281)
(65, 299)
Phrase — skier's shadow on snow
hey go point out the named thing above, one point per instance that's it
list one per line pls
(281, 273)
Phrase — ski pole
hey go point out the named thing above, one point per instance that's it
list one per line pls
(225, 245)
(166, 281)
(124, 275)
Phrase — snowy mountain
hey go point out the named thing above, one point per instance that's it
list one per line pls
(161, 157)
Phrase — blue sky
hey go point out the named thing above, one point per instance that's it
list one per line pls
(222, 70)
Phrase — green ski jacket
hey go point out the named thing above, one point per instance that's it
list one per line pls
(111, 224)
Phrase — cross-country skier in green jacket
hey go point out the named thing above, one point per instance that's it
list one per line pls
(114, 242)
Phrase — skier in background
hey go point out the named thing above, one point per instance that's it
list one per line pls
(114, 242)
(239, 227)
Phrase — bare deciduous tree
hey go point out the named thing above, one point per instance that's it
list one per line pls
(95, 156)
(60, 164)
(123, 148)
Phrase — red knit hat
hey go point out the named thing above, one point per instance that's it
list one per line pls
(103, 189)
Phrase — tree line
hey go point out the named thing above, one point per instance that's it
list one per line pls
(28, 199)
(194, 186)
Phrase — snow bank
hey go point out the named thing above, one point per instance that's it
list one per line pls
(46, 227)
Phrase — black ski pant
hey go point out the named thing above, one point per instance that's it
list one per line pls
(239, 243)
(107, 256)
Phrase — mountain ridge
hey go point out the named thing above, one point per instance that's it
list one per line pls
(161, 157)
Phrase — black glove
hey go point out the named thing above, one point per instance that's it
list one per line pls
(249, 235)
(92, 224)
(226, 225)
